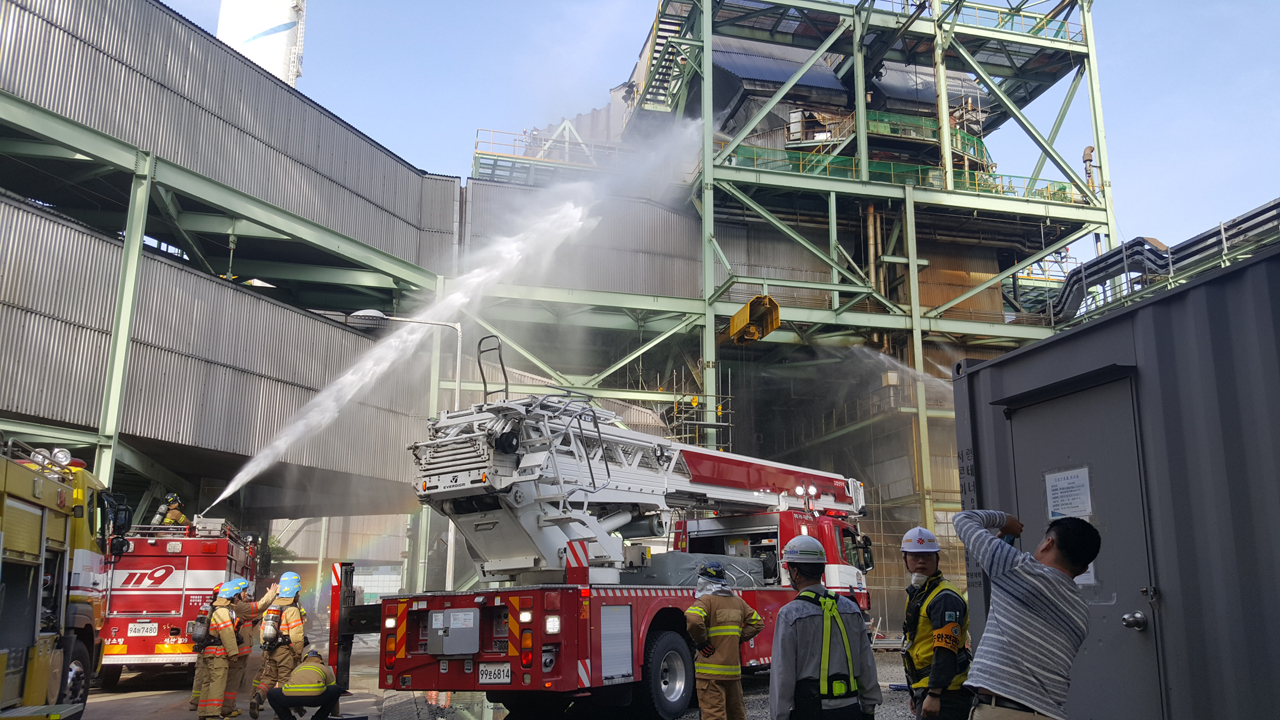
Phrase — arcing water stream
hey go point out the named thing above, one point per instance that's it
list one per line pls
(507, 255)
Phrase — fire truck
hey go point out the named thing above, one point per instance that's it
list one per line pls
(547, 490)
(58, 529)
(163, 579)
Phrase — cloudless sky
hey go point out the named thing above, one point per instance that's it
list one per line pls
(1190, 89)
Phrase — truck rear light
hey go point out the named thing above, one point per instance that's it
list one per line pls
(526, 648)
(209, 547)
(525, 617)
(551, 625)
(389, 623)
(389, 654)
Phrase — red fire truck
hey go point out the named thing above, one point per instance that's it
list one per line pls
(546, 492)
(158, 588)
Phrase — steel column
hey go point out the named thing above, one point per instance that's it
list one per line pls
(320, 568)
(941, 97)
(707, 20)
(917, 350)
(834, 245)
(860, 95)
(1099, 130)
(122, 324)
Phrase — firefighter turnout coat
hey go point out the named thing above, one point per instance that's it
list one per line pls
(721, 621)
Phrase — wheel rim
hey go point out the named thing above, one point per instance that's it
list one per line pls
(672, 676)
(76, 676)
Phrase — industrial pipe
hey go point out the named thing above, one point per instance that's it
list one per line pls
(647, 526)
(616, 520)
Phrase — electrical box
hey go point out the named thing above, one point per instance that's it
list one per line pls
(453, 631)
(756, 319)
(636, 556)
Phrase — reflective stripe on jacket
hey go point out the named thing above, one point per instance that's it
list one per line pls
(222, 625)
(309, 679)
(724, 621)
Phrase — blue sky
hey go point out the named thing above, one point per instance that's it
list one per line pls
(1190, 92)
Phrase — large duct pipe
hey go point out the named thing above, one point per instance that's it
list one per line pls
(616, 520)
(647, 526)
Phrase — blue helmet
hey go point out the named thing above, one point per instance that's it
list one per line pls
(232, 588)
(290, 577)
(288, 590)
(713, 571)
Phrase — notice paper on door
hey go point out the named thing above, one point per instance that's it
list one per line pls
(1068, 493)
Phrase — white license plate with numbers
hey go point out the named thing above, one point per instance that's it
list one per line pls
(495, 674)
(143, 629)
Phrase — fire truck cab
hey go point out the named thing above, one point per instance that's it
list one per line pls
(158, 588)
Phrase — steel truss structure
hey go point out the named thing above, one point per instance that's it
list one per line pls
(1016, 55)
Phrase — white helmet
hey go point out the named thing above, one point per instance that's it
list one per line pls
(919, 540)
(804, 549)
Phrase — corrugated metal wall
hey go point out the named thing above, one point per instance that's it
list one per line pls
(57, 300)
(136, 70)
(637, 247)
(212, 365)
(1204, 365)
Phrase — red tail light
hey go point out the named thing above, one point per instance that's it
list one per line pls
(389, 654)
(526, 648)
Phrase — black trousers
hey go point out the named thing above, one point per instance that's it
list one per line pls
(956, 704)
(283, 704)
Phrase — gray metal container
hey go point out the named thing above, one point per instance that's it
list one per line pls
(1171, 409)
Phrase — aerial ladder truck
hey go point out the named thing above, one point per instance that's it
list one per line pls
(547, 490)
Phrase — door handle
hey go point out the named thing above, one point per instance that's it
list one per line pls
(1135, 620)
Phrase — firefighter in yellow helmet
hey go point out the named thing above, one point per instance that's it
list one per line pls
(718, 621)
(934, 634)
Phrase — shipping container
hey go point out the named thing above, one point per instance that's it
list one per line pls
(1161, 425)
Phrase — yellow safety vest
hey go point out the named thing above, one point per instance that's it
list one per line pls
(838, 685)
(953, 636)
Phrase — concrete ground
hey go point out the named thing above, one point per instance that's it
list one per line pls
(164, 696)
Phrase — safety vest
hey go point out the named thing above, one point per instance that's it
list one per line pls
(920, 641)
(841, 684)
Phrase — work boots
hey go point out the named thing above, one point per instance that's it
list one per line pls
(254, 705)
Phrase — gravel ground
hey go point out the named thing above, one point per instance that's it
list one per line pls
(755, 688)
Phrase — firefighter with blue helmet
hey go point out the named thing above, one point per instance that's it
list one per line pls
(718, 621)
(822, 666)
(222, 644)
(247, 612)
(282, 640)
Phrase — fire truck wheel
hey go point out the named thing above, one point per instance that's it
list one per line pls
(78, 672)
(666, 681)
(110, 677)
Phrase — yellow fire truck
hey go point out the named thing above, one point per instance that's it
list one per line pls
(59, 530)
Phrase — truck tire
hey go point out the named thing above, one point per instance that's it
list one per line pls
(110, 677)
(666, 678)
(79, 671)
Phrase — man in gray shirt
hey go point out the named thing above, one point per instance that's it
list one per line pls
(1037, 621)
(805, 684)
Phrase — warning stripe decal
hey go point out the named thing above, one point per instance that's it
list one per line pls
(577, 555)
(401, 626)
(584, 673)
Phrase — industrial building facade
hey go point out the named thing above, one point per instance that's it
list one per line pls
(191, 235)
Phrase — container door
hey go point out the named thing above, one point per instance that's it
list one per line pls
(1078, 455)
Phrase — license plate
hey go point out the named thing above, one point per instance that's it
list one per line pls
(143, 629)
(495, 674)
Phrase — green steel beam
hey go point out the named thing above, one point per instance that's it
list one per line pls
(224, 225)
(270, 270)
(13, 147)
(599, 393)
(594, 298)
(48, 433)
(996, 279)
(1016, 113)
(841, 26)
(239, 204)
(924, 196)
(1099, 129)
(707, 376)
(785, 229)
(860, 96)
(122, 323)
(594, 380)
(942, 100)
(1057, 125)
(923, 461)
(801, 284)
(170, 209)
(35, 120)
(556, 376)
(833, 244)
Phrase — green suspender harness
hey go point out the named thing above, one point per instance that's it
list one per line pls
(830, 686)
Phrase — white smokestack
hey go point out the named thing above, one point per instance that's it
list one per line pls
(268, 32)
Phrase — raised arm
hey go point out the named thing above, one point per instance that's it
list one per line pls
(993, 554)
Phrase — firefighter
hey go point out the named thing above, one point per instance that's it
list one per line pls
(311, 684)
(282, 640)
(172, 510)
(247, 612)
(718, 621)
(934, 634)
(822, 661)
(221, 644)
(201, 670)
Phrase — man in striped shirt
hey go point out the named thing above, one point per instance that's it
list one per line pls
(1037, 620)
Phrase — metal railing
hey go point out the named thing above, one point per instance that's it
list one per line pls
(829, 130)
(997, 18)
(533, 147)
